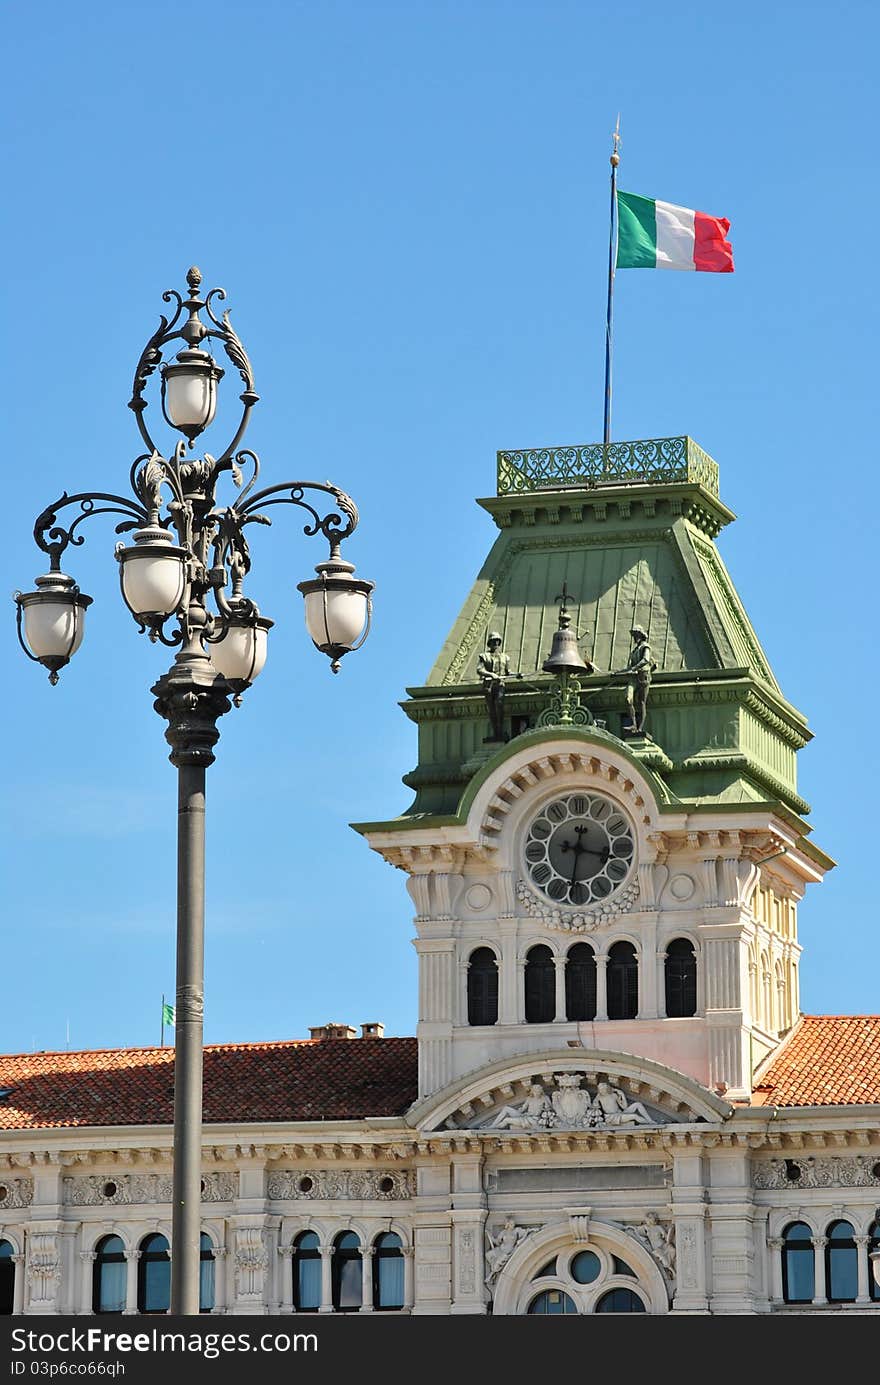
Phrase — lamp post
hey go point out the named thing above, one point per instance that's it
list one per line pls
(186, 569)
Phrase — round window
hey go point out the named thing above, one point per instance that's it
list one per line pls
(586, 1267)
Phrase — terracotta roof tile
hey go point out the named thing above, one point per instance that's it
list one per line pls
(828, 1060)
(297, 1080)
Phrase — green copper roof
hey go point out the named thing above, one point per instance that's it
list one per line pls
(632, 550)
(630, 530)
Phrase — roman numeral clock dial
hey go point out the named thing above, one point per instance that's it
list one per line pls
(578, 849)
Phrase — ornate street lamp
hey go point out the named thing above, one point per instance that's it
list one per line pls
(182, 578)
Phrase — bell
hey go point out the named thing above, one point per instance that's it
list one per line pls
(565, 657)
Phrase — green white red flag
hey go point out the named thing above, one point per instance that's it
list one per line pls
(658, 235)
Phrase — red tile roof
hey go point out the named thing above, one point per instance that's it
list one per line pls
(297, 1080)
(828, 1060)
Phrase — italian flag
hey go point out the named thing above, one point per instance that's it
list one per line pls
(658, 235)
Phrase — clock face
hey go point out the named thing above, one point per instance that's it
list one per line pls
(579, 848)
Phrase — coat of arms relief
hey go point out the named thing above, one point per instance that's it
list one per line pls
(570, 1105)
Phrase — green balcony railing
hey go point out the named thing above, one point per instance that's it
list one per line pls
(658, 460)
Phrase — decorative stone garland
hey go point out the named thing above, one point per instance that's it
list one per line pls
(580, 921)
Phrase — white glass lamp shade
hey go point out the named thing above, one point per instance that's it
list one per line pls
(874, 1259)
(53, 617)
(337, 609)
(153, 574)
(239, 657)
(335, 617)
(189, 386)
(53, 626)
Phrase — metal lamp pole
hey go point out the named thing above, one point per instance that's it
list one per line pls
(187, 566)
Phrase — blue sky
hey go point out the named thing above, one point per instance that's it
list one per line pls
(407, 204)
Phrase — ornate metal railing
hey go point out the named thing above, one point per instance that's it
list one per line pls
(606, 464)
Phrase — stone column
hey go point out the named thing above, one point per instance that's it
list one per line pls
(366, 1280)
(508, 980)
(286, 1272)
(660, 982)
(131, 1259)
(775, 1245)
(862, 1243)
(409, 1256)
(326, 1279)
(88, 1258)
(519, 970)
(559, 1014)
(221, 1281)
(18, 1284)
(601, 986)
(468, 1279)
(819, 1244)
(649, 1005)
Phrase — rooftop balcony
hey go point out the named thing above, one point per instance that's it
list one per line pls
(648, 461)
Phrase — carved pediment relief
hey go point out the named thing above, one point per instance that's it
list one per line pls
(569, 1090)
(564, 1101)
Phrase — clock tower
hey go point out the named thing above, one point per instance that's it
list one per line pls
(606, 847)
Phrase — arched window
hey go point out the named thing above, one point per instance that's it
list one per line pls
(108, 1276)
(154, 1275)
(580, 983)
(620, 1301)
(766, 994)
(387, 1272)
(798, 1264)
(206, 1274)
(841, 1263)
(7, 1279)
(552, 1301)
(779, 998)
(348, 1268)
(623, 982)
(540, 985)
(873, 1247)
(307, 1272)
(482, 987)
(681, 979)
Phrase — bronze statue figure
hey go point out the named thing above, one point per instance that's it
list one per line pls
(639, 668)
(493, 666)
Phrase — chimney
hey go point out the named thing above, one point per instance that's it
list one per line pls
(332, 1031)
(373, 1031)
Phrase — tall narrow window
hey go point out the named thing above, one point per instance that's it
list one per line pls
(154, 1275)
(387, 1272)
(7, 1279)
(841, 1263)
(623, 982)
(681, 979)
(347, 1273)
(580, 983)
(482, 987)
(108, 1276)
(540, 985)
(873, 1248)
(798, 1264)
(206, 1274)
(307, 1272)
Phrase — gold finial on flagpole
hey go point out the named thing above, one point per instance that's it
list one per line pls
(615, 154)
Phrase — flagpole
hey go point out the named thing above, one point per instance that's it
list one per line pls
(162, 1043)
(609, 320)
